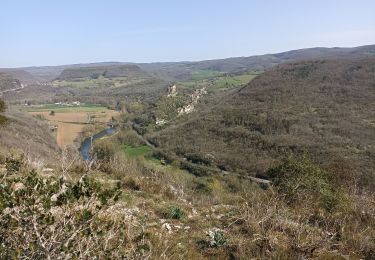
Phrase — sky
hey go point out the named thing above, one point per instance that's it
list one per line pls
(55, 32)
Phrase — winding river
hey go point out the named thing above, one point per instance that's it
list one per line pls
(85, 148)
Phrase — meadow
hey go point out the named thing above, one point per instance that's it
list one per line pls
(141, 150)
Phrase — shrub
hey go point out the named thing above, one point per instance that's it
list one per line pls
(300, 180)
(52, 218)
(104, 150)
(217, 238)
(13, 163)
(129, 138)
(3, 107)
(174, 212)
(131, 183)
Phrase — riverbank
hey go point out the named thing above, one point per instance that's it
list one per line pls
(69, 121)
(86, 146)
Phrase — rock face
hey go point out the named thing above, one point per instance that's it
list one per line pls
(172, 91)
(195, 96)
(183, 109)
(160, 121)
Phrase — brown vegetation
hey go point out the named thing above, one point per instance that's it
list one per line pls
(131, 208)
(29, 135)
(323, 107)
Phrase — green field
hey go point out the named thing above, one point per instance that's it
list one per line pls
(97, 83)
(234, 81)
(137, 151)
(220, 82)
(204, 74)
(66, 108)
(83, 83)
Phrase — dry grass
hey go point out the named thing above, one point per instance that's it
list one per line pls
(67, 133)
(29, 135)
(76, 117)
(222, 217)
(71, 124)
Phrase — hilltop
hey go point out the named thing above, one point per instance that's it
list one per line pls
(102, 71)
(184, 70)
(21, 75)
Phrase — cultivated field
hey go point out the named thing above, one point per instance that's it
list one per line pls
(69, 121)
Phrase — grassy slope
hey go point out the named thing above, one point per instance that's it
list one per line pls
(323, 107)
(29, 135)
(67, 109)
(137, 151)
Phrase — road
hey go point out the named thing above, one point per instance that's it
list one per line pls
(11, 90)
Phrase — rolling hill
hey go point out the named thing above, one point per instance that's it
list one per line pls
(323, 107)
(102, 71)
(184, 70)
(21, 75)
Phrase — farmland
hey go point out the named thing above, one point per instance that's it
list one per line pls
(69, 121)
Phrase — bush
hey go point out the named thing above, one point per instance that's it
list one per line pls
(217, 238)
(131, 183)
(300, 180)
(52, 218)
(104, 150)
(129, 138)
(3, 107)
(173, 212)
(13, 164)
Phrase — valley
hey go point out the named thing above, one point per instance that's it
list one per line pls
(262, 157)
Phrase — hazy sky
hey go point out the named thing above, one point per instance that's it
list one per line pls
(55, 32)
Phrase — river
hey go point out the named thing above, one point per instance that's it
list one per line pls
(85, 148)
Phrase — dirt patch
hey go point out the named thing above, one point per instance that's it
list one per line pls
(67, 133)
(70, 124)
(103, 117)
(77, 117)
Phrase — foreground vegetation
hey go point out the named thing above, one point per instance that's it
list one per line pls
(138, 208)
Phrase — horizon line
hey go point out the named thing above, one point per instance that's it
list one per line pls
(187, 61)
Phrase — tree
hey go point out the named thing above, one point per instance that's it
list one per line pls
(3, 107)
(52, 113)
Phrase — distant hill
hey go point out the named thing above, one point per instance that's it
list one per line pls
(20, 75)
(102, 71)
(184, 70)
(105, 84)
(324, 107)
(49, 73)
